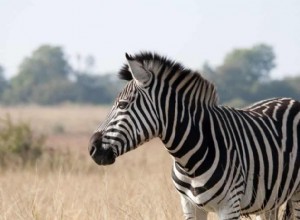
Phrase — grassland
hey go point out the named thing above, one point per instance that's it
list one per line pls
(67, 184)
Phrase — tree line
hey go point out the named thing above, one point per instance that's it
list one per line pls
(244, 77)
(47, 78)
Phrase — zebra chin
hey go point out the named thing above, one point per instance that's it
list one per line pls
(104, 162)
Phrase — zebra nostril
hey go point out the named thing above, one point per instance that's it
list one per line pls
(93, 150)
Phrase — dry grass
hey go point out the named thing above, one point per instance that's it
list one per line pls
(131, 189)
(137, 186)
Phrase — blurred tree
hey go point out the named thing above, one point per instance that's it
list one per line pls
(294, 82)
(45, 65)
(46, 78)
(96, 88)
(54, 92)
(3, 81)
(254, 64)
(241, 70)
(274, 88)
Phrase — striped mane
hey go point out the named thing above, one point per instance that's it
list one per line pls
(171, 69)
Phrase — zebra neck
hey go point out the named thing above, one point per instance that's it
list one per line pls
(191, 141)
(179, 98)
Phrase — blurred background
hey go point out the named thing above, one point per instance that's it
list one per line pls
(58, 76)
(53, 52)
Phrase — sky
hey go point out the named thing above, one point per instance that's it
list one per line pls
(192, 32)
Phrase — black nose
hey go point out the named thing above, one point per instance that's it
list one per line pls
(102, 155)
(95, 141)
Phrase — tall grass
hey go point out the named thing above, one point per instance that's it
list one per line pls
(64, 183)
(76, 188)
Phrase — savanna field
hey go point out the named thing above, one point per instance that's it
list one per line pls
(64, 183)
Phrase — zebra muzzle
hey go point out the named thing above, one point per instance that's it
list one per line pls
(101, 155)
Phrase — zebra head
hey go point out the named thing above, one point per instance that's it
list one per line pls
(133, 118)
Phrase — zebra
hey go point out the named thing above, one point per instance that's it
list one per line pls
(230, 161)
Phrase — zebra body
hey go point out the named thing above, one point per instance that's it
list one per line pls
(230, 161)
(229, 133)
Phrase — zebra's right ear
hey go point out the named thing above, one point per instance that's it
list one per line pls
(139, 73)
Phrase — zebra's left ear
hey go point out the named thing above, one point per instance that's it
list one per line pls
(139, 73)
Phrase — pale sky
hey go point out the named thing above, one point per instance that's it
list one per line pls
(191, 32)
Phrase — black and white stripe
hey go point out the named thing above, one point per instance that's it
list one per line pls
(231, 161)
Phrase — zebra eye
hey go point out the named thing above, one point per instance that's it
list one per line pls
(122, 104)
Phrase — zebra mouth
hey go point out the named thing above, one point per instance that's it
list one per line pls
(103, 156)
(105, 161)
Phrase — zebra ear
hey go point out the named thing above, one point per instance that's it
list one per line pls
(139, 73)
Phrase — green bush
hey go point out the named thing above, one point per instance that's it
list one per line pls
(18, 143)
